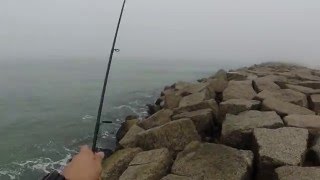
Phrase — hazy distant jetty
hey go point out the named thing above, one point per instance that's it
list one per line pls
(260, 122)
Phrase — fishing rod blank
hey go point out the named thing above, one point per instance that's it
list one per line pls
(98, 122)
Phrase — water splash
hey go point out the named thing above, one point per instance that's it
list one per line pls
(42, 165)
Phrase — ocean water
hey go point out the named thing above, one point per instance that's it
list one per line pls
(48, 108)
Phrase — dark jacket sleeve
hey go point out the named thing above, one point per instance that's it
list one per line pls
(54, 176)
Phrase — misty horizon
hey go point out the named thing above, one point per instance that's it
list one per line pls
(188, 30)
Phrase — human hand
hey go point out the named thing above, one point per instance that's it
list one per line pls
(84, 166)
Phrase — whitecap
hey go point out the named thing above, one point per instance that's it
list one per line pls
(148, 96)
(87, 116)
(12, 174)
(44, 164)
(136, 102)
(134, 110)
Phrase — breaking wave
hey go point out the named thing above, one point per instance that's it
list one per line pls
(42, 165)
(137, 111)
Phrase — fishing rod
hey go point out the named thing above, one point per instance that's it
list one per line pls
(99, 122)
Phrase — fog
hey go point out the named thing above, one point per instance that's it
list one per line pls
(246, 31)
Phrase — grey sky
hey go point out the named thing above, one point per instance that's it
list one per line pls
(198, 30)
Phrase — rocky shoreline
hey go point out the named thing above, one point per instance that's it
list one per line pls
(259, 122)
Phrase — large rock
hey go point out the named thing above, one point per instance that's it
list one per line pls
(221, 74)
(302, 89)
(203, 119)
(148, 165)
(208, 104)
(177, 177)
(171, 100)
(281, 81)
(310, 84)
(261, 84)
(181, 85)
(237, 129)
(288, 75)
(284, 108)
(252, 77)
(303, 121)
(298, 173)
(315, 72)
(117, 163)
(193, 88)
(166, 91)
(124, 128)
(131, 138)
(239, 90)
(278, 80)
(315, 102)
(160, 102)
(153, 108)
(193, 99)
(275, 78)
(286, 95)
(305, 75)
(217, 85)
(213, 161)
(279, 147)
(290, 81)
(157, 119)
(174, 135)
(260, 72)
(237, 76)
(236, 106)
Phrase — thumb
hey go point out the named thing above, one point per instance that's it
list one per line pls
(99, 155)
